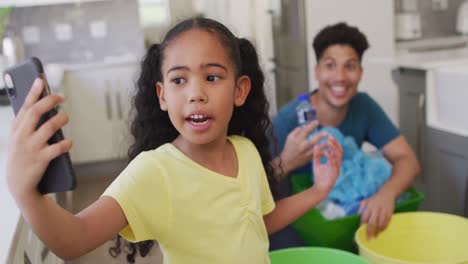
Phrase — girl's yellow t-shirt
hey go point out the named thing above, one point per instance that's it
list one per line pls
(197, 215)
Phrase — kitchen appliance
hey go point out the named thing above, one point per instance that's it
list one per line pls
(290, 49)
(462, 18)
(408, 26)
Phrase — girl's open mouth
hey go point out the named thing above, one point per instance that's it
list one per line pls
(199, 122)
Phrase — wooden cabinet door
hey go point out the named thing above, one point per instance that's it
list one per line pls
(124, 90)
(98, 104)
(121, 82)
(90, 108)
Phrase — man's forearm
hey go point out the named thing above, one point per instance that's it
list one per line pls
(404, 172)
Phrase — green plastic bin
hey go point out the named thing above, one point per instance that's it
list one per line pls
(317, 231)
(318, 255)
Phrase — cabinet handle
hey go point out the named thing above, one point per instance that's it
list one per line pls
(108, 101)
(396, 76)
(119, 105)
(26, 258)
(420, 144)
(44, 253)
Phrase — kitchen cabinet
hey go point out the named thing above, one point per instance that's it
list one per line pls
(29, 249)
(290, 46)
(448, 160)
(412, 93)
(412, 116)
(443, 155)
(98, 105)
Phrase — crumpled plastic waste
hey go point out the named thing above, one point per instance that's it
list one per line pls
(361, 174)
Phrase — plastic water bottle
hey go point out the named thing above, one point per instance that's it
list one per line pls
(305, 114)
(305, 111)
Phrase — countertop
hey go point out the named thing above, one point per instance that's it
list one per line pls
(107, 62)
(431, 59)
(10, 213)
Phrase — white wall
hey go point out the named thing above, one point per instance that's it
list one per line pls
(376, 20)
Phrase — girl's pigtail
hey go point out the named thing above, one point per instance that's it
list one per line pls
(254, 113)
(143, 129)
(151, 126)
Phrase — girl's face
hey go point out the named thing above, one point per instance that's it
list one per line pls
(199, 88)
(338, 73)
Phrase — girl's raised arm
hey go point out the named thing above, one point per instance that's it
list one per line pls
(67, 235)
(70, 236)
(287, 210)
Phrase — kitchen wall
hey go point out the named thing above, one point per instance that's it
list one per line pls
(435, 23)
(80, 33)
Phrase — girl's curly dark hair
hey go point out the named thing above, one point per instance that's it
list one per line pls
(151, 126)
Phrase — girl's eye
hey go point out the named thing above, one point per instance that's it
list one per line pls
(329, 65)
(212, 78)
(178, 80)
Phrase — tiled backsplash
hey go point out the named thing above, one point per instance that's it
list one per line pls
(80, 33)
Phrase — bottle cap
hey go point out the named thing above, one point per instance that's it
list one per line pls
(303, 97)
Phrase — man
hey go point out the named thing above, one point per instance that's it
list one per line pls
(339, 49)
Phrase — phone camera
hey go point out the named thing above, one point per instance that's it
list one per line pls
(10, 87)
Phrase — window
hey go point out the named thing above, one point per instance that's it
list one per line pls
(154, 12)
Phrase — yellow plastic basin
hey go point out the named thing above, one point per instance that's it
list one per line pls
(417, 237)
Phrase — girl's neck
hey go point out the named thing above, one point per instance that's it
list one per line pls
(327, 114)
(217, 156)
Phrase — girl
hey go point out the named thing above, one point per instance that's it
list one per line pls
(198, 179)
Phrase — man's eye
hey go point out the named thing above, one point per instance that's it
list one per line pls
(351, 67)
(178, 80)
(212, 78)
(329, 65)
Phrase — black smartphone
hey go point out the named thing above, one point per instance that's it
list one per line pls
(59, 175)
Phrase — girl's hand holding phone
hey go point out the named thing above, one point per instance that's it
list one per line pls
(29, 153)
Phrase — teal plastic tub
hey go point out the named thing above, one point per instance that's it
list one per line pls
(316, 255)
(317, 231)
